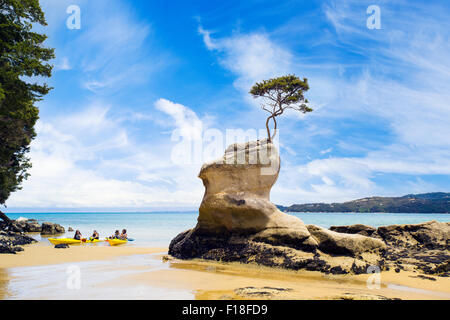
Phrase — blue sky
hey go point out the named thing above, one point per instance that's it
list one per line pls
(138, 70)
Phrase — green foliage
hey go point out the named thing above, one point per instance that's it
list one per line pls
(281, 93)
(22, 56)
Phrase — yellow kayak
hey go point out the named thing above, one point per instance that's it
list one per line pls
(72, 241)
(116, 242)
(63, 241)
(92, 240)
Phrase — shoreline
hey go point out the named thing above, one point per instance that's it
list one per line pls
(204, 280)
(38, 254)
(210, 280)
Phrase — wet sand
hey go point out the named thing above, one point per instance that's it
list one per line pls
(42, 254)
(209, 280)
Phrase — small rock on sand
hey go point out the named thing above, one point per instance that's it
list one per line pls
(61, 246)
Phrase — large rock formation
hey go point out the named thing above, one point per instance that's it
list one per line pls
(237, 195)
(237, 221)
(50, 228)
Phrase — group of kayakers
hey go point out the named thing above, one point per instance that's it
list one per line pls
(95, 235)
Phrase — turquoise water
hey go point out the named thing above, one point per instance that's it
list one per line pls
(157, 229)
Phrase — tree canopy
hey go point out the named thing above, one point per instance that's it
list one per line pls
(279, 94)
(22, 66)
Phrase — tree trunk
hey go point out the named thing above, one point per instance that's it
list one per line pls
(5, 218)
(269, 136)
(274, 128)
(9, 224)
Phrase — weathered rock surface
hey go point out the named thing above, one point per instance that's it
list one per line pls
(431, 235)
(49, 228)
(33, 227)
(12, 235)
(237, 193)
(355, 229)
(264, 292)
(28, 225)
(10, 241)
(237, 221)
(9, 249)
(344, 244)
(424, 246)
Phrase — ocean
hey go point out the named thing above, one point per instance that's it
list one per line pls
(157, 229)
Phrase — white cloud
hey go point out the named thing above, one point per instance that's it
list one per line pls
(63, 64)
(87, 160)
(326, 151)
(110, 51)
(252, 57)
(189, 125)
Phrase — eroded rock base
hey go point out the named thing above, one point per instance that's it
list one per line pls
(422, 247)
(253, 249)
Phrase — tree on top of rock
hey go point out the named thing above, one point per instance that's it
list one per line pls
(280, 94)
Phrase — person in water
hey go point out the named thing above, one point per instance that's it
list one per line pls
(95, 235)
(77, 235)
(124, 235)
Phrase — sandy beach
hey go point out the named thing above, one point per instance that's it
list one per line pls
(214, 280)
(42, 254)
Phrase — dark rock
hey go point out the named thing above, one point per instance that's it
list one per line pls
(431, 235)
(421, 276)
(13, 227)
(424, 246)
(397, 270)
(359, 269)
(337, 270)
(355, 229)
(442, 269)
(70, 229)
(6, 249)
(20, 240)
(49, 228)
(32, 226)
(10, 241)
(17, 249)
(61, 246)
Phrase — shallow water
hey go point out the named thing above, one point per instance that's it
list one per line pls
(88, 280)
(130, 277)
(157, 229)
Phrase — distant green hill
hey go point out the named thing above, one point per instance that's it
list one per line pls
(436, 202)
